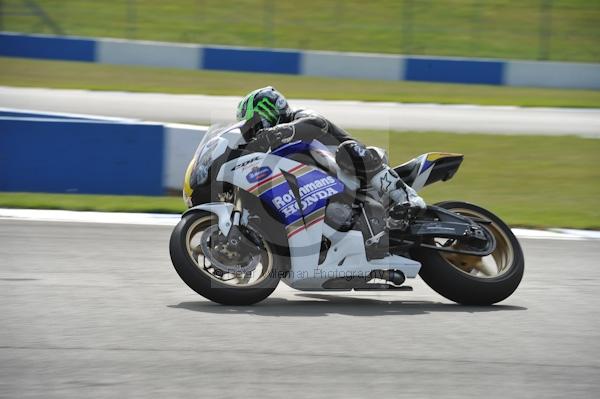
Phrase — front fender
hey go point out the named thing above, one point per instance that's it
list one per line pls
(223, 211)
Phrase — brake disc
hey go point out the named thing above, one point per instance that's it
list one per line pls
(212, 253)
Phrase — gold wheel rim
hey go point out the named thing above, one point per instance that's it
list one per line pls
(496, 264)
(192, 242)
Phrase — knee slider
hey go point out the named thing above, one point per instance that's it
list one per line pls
(355, 158)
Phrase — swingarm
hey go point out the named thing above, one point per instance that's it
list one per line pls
(446, 231)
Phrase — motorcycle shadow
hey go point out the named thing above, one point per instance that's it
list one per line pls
(314, 305)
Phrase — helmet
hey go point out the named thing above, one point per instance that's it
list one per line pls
(267, 105)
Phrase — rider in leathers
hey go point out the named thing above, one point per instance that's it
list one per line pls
(277, 124)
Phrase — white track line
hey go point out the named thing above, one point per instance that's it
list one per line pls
(42, 215)
(157, 219)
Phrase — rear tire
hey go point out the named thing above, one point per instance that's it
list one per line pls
(209, 286)
(457, 285)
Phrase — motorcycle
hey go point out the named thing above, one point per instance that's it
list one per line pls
(291, 214)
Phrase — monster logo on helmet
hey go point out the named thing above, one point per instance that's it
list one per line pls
(267, 103)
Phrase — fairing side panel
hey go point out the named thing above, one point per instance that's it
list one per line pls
(435, 166)
(264, 175)
(346, 258)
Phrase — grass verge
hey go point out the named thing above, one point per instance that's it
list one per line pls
(85, 202)
(75, 75)
(529, 181)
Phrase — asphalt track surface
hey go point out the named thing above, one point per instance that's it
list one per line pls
(348, 114)
(96, 310)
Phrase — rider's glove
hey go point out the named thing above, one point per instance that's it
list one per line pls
(260, 143)
(272, 137)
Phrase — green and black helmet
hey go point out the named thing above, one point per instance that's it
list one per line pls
(268, 104)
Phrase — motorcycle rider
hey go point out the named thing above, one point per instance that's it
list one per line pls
(275, 124)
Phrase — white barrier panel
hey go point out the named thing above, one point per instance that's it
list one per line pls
(352, 65)
(552, 74)
(167, 55)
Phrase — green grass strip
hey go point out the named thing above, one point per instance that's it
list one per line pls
(74, 75)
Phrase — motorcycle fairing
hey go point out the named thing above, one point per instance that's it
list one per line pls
(429, 168)
(312, 185)
(302, 217)
(214, 144)
(197, 170)
(269, 177)
(304, 222)
(346, 258)
(299, 147)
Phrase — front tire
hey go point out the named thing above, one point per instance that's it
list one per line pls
(469, 280)
(190, 264)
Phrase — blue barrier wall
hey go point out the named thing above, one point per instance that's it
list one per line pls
(454, 71)
(246, 60)
(313, 63)
(54, 48)
(79, 156)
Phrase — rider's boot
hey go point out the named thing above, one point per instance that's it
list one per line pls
(408, 203)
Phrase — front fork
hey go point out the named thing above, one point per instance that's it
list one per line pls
(240, 233)
(229, 214)
(240, 216)
(233, 220)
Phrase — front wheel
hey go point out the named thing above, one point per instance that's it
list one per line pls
(209, 265)
(473, 280)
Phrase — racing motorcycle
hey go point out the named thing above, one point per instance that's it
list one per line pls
(292, 214)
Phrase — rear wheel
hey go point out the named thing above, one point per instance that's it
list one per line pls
(473, 280)
(215, 269)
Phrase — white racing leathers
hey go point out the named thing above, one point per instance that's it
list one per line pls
(387, 183)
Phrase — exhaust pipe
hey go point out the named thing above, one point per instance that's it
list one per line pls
(395, 277)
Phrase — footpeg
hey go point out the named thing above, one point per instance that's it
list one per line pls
(401, 215)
